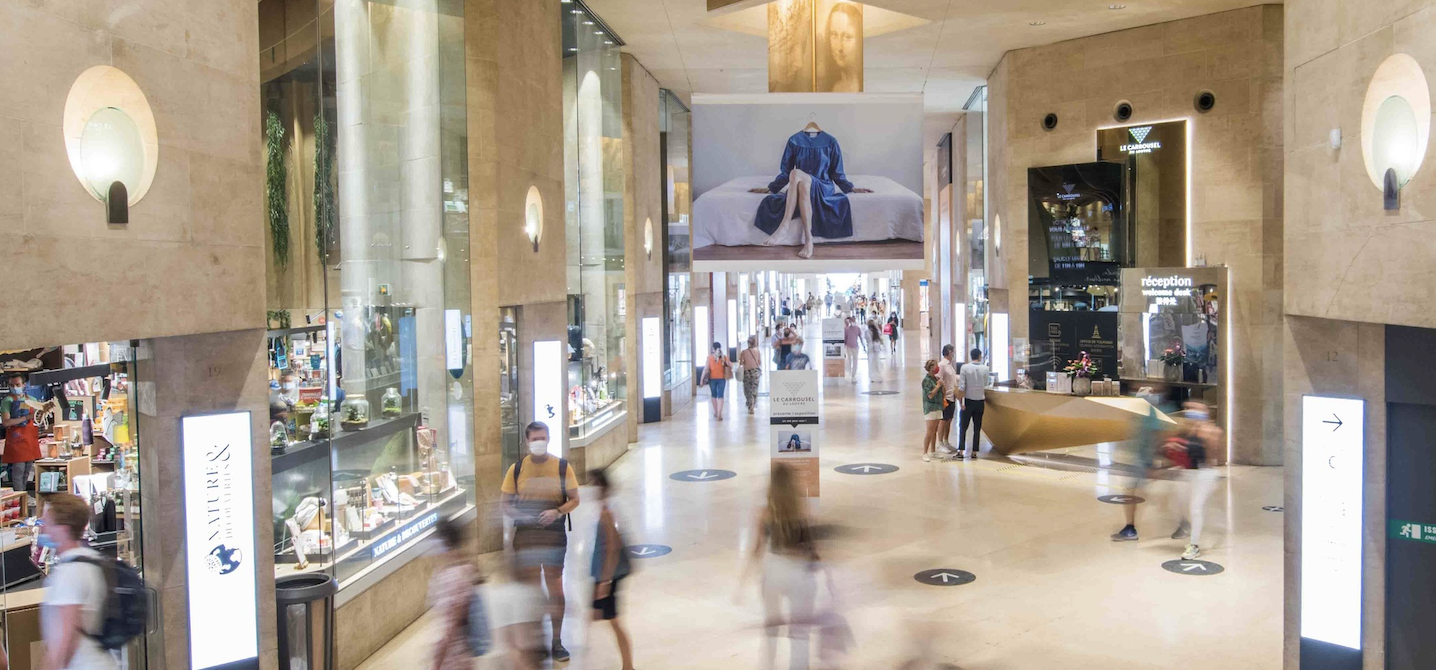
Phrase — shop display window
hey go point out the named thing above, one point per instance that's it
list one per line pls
(675, 123)
(371, 384)
(593, 187)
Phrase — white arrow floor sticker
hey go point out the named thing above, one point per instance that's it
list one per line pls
(1194, 568)
(702, 475)
(945, 577)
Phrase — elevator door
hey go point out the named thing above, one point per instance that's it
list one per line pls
(1410, 565)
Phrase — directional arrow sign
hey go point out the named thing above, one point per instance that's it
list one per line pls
(1122, 500)
(945, 577)
(880, 392)
(1336, 422)
(648, 550)
(1274, 508)
(702, 475)
(866, 469)
(1193, 567)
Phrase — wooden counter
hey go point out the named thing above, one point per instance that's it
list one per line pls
(1018, 421)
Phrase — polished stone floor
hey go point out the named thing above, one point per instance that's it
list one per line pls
(1052, 591)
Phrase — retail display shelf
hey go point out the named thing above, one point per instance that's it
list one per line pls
(300, 453)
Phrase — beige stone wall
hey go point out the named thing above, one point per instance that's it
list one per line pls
(515, 118)
(1353, 260)
(1236, 167)
(191, 258)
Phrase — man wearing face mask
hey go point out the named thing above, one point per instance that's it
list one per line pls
(75, 591)
(798, 360)
(538, 492)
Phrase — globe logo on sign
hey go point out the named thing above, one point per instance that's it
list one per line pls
(223, 560)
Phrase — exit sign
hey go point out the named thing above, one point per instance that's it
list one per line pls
(1411, 530)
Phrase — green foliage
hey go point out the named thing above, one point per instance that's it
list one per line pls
(323, 187)
(276, 187)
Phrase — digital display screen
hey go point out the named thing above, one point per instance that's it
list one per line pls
(548, 392)
(652, 357)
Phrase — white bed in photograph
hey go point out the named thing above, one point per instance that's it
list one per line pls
(724, 215)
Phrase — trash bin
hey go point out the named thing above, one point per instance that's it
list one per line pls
(306, 621)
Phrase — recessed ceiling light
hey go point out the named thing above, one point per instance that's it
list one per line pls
(608, 42)
(573, 48)
(588, 23)
(1037, 23)
(598, 32)
(576, 11)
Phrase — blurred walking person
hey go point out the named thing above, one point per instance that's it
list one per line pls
(751, 360)
(893, 329)
(76, 591)
(610, 566)
(1150, 434)
(785, 548)
(451, 589)
(875, 353)
(1201, 436)
(852, 342)
(932, 399)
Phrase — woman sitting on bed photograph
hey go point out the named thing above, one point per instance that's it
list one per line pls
(812, 172)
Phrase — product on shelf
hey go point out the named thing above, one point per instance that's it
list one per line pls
(391, 406)
(354, 413)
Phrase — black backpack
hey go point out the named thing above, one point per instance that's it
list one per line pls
(127, 606)
(562, 483)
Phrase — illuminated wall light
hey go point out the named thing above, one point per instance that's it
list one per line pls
(110, 138)
(533, 217)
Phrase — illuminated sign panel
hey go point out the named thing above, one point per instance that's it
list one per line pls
(1333, 449)
(548, 392)
(223, 621)
(1139, 144)
(652, 358)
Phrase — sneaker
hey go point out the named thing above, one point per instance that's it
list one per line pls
(559, 653)
(947, 448)
(1127, 534)
(1183, 531)
(1192, 552)
(927, 458)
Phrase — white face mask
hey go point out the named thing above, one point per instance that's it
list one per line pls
(538, 447)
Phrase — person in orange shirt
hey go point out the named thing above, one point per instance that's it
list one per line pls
(715, 375)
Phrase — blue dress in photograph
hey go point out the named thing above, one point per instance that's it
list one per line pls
(820, 156)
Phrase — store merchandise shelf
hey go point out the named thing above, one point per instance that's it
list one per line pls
(301, 453)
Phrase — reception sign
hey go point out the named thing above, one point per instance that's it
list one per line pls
(221, 585)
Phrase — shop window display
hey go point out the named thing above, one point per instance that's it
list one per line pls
(675, 123)
(371, 398)
(593, 184)
(80, 401)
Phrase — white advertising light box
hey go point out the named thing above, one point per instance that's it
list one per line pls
(1333, 449)
(652, 358)
(548, 392)
(221, 584)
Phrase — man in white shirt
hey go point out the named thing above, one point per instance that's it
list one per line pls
(947, 374)
(972, 382)
(75, 591)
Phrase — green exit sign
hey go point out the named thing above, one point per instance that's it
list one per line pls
(1411, 530)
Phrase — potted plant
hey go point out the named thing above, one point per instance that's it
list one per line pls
(1172, 360)
(1081, 371)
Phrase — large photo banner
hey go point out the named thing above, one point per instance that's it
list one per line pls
(807, 182)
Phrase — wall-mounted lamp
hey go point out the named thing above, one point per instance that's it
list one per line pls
(1395, 126)
(533, 217)
(111, 140)
(648, 238)
(1335, 139)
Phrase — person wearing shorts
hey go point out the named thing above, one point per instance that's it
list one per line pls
(932, 399)
(538, 492)
(610, 566)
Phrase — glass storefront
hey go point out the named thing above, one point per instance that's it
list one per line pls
(975, 307)
(593, 213)
(371, 402)
(83, 434)
(675, 122)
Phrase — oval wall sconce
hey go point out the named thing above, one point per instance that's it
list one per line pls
(533, 217)
(110, 139)
(1395, 125)
(648, 238)
(997, 234)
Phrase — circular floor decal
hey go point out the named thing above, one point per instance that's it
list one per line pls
(945, 577)
(1122, 500)
(880, 392)
(648, 550)
(1274, 508)
(867, 469)
(1193, 567)
(702, 475)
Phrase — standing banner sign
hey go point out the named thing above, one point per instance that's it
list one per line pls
(222, 586)
(794, 417)
(833, 363)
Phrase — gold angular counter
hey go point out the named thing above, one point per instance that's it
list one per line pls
(1018, 421)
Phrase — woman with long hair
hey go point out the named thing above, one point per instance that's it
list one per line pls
(933, 395)
(894, 327)
(875, 350)
(751, 360)
(715, 375)
(785, 548)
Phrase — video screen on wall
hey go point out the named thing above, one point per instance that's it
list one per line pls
(807, 182)
(1077, 210)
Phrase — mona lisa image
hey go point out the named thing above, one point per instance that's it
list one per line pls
(839, 46)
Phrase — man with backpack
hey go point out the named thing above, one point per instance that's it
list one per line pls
(77, 591)
(538, 493)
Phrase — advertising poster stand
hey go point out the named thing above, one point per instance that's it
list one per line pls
(833, 362)
(794, 422)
